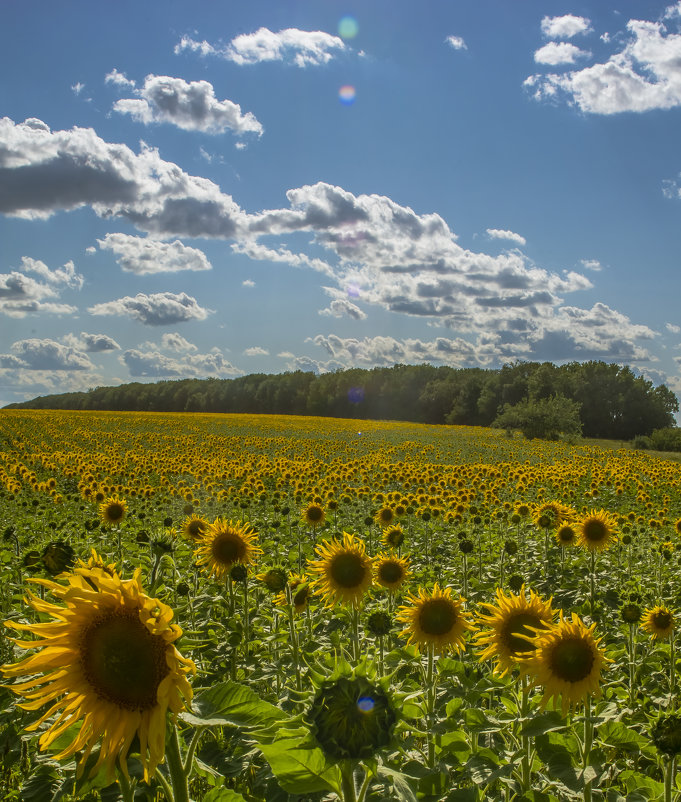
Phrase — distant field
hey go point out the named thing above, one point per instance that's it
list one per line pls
(485, 516)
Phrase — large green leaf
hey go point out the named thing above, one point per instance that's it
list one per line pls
(231, 703)
(223, 795)
(300, 769)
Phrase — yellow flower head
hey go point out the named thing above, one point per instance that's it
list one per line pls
(106, 660)
(435, 618)
(567, 662)
(343, 570)
(513, 624)
(390, 572)
(658, 622)
(596, 531)
(314, 515)
(112, 510)
(194, 527)
(385, 516)
(393, 536)
(225, 543)
(297, 593)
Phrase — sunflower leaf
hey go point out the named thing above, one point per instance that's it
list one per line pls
(223, 795)
(231, 703)
(301, 770)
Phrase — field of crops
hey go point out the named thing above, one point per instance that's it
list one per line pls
(270, 608)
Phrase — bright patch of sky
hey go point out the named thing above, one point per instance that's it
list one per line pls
(215, 190)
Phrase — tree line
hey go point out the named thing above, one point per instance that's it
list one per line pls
(612, 402)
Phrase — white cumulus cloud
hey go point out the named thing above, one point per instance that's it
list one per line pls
(157, 309)
(146, 255)
(555, 53)
(565, 27)
(501, 233)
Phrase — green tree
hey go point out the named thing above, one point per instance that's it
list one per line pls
(547, 418)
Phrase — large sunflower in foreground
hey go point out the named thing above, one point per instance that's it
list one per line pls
(596, 531)
(435, 618)
(107, 660)
(112, 510)
(658, 622)
(344, 570)
(513, 623)
(567, 662)
(225, 543)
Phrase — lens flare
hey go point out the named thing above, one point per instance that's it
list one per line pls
(346, 94)
(365, 704)
(348, 27)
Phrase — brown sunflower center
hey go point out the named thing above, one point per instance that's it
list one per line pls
(517, 634)
(386, 515)
(437, 616)
(227, 548)
(114, 512)
(391, 572)
(595, 530)
(314, 514)
(196, 529)
(572, 659)
(566, 534)
(662, 619)
(348, 570)
(123, 662)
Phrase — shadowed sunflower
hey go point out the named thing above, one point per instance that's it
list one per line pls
(385, 516)
(658, 622)
(389, 571)
(194, 527)
(514, 622)
(435, 619)
(106, 660)
(596, 531)
(299, 590)
(314, 515)
(566, 535)
(344, 570)
(567, 662)
(225, 543)
(393, 536)
(112, 510)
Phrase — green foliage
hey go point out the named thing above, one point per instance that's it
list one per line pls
(551, 418)
(668, 439)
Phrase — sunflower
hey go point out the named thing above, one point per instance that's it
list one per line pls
(194, 527)
(658, 622)
(567, 662)
(596, 531)
(385, 516)
(314, 515)
(435, 618)
(393, 536)
(344, 570)
(112, 510)
(514, 622)
(225, 543)
(299, 589)
(389, 571)
(566, 535)
(107, 660)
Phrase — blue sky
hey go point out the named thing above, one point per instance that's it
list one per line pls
(222, 188)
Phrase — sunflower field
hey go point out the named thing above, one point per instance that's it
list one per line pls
(223, 608)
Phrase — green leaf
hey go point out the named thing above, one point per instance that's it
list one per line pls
(618, 735)
(553, 752)
(399, 783)
(231, 703)
(300, 769)
(543, 722)
(43, 783)
(223, 795)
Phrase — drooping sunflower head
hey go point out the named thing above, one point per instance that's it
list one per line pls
(194, 527)
(597, 531)
(352, 717)
(106, 660)
(385, 516)
(297, 593)
(658, 622)
(512, 626)
(224, 544)
(567, 662)
(274, 579)
(390, 572)
(393, 536)
(435, 618)
(630, 613)
(344, 570)
(666, 734)
(112, 510)
(314, 515)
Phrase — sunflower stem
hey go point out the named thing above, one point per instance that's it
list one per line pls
(593, 581)
(127, 789)
(348, 788)
(178, 775)
(364, 787)
(247, 624)
(526, 766)
(189, 757)
(294, 636)
(669, 771)
(672, 666)
(632, 665)
(588, 742)
(355, 633)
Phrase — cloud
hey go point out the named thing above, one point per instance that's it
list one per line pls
(42, 172)
(158, 309)
(644, 75)
(256, 350)
(592, 264)
(91, 343)
(341, 307)
(565, 27)
(259, 252)
(191, 106)
(152, 362)
(555, 53)
(247, 283)
(673, 328)
(36, 354)
(119, 79)
(500, 233)
(302, 48)
(77, 88)
(146, 256)
(21, 294)
(456, 42)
